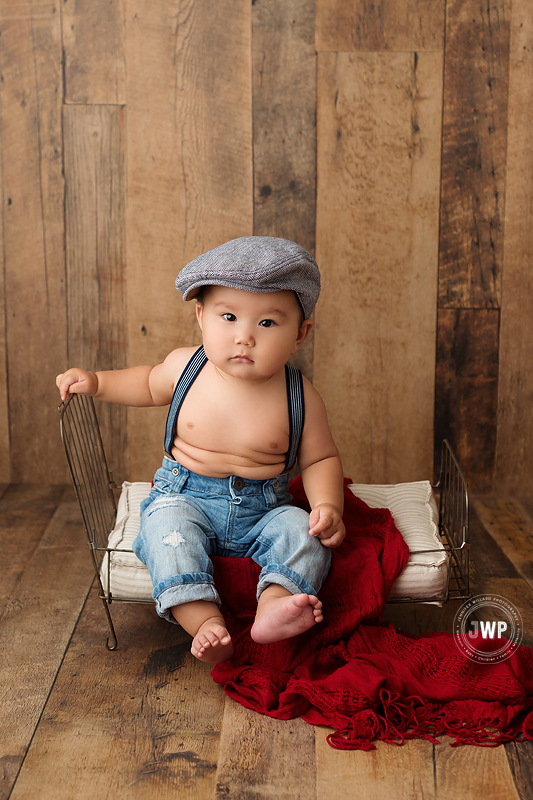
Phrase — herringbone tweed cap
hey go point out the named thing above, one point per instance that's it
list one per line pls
(255, 264)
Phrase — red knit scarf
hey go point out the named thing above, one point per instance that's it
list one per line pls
(367, 679)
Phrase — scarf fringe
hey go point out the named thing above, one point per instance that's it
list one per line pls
(472, 722)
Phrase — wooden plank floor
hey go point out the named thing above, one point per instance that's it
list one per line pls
(147, 721)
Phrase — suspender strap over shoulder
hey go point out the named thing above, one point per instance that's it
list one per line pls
(186, 380)
(295, 398)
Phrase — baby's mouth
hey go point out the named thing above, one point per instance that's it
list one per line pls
(241, 358)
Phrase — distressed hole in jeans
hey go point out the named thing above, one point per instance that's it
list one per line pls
(173, 539)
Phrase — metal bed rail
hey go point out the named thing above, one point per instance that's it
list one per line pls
(452, 490)
(453, 521)
(92, 481)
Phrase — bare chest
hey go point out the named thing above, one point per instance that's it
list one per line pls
(248, 422)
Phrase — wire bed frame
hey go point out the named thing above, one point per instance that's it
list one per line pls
(452, 490)
(94, 488)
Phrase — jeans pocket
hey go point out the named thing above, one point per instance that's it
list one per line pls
(168, 484)
(283, 498)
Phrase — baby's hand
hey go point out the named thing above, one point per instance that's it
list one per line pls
(325, 521)
(77, 381)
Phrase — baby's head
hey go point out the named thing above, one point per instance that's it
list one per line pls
(255, 297)
(255, 264)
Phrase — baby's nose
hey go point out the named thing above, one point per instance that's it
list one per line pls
(245, 337)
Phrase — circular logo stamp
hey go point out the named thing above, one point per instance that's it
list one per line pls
(488, 628)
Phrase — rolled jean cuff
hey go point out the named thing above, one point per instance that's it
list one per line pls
(181, 593)
(283, 576)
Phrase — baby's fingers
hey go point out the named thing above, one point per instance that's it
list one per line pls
(319, 521)
(63, 384)
(333, 541)
(76, 382)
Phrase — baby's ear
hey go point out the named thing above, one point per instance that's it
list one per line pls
(199, 312)
(304, 331)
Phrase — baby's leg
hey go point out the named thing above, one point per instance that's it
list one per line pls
(282, 615)
(175, 543)
(203, 620)
(294, 566)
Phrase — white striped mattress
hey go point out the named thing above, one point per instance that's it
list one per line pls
(412, 506)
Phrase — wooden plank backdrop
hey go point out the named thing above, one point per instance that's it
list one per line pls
(514, 442)
(95, 259)
(377, 235)
(33, 236)
(401, 25)
(390, 138)
(93, 41)
(5, 469)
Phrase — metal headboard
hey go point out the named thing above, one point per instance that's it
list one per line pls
(452, 490)
(93, 483)
(453, 522)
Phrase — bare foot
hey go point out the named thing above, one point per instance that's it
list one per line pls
(283, 617)
(212, 642)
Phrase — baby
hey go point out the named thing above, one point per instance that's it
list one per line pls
(239, 417)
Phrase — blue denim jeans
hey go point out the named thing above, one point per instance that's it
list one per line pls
(187, 518)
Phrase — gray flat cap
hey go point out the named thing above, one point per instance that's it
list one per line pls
(255, 264)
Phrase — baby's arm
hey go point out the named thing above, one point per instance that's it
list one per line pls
(124, 386)
(137, 386)
(321, 470)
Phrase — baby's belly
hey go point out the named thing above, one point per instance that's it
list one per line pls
(256, 466)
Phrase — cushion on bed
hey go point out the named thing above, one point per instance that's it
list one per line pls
(416, 516)
(412, 506)
(129, 578)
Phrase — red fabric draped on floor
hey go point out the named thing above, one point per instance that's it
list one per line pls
(366, 679)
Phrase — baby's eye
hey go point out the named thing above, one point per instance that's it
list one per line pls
(267, 323)
(229, 317)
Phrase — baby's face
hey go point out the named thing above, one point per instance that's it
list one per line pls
(250, 334)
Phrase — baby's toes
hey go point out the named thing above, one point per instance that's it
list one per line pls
(212, 646)
(221, 636)
(317, 611)
(200, 644)
(212, 638)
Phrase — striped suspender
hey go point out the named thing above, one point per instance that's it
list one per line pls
(295, 400)
(186, 380)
